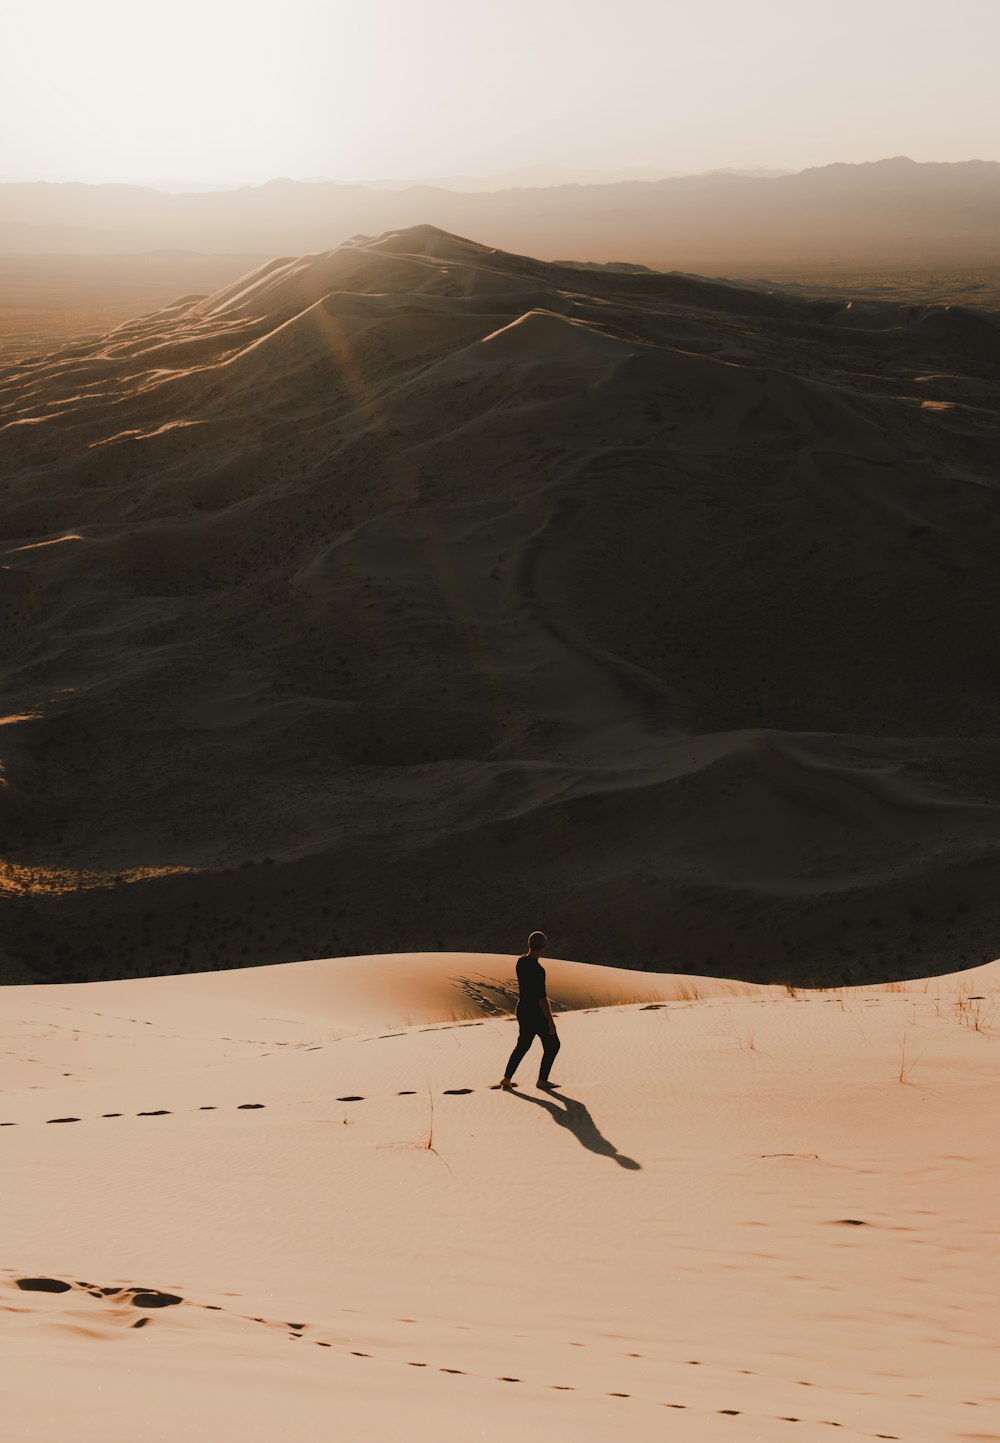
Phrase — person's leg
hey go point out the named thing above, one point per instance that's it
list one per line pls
(550, 1046)
(527, 1031)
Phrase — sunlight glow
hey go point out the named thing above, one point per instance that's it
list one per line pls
(219, 92)
(17, 879)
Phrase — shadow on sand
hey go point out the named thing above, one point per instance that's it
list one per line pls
(575, 1116)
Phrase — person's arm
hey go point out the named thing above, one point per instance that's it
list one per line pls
(547, 1007)
(522, 985)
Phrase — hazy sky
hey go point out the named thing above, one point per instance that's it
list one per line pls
(242, 90)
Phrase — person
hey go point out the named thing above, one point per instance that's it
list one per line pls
(534, 1016)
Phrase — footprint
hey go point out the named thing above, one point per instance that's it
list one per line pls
(8, 1124)
(733, 1412)
(322, 1345)
(563, 1387)
(359, 1355)
(457, 1091)
(350, 1099)
(450, 1370)
(250, 1106)
(62, 1119)
(140, 1322)
(508, 1380)
(43, 1285)
(208, 1107)
(111, 1114)
(153, 1298)
(159, 1112)
(619, 1395)
(398, 1094)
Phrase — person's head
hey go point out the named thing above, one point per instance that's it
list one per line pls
(536, 943)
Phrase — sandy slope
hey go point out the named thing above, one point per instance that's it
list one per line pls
(734, 1221)
(396, 592)
(48, 301)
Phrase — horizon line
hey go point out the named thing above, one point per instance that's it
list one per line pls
(762, 173)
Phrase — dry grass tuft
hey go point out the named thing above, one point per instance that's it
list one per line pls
(976, 1011)
(689, 992)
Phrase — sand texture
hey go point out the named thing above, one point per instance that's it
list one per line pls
(262, 1205)
(48, 301)
(415, 593)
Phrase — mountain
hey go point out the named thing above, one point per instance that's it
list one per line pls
(541, 176)
(532, 176)
(893, 213)
(415, 593)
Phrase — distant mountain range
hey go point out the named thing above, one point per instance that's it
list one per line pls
(540, 176)
(897, 213)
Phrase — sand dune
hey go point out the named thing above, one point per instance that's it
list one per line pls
(420, 593)
(253, 1204)
(50, 301)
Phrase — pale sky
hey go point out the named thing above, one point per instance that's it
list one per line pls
(241, 91)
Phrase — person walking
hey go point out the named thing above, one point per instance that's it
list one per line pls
(534, 1016)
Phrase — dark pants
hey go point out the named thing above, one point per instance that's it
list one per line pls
(530, 1026)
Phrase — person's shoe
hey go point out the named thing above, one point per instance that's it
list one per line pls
(505, 1083)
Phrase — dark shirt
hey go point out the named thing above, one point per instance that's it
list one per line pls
(531, 981)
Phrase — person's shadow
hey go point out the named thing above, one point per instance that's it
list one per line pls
(575, 1116)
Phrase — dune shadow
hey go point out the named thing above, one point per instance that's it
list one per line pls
(574, 1116)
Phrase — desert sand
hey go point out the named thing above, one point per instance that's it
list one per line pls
(393, 593)
(49, 300)
(284, 1202)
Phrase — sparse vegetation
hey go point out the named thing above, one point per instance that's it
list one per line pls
(429, 1144)
(976, 1011)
